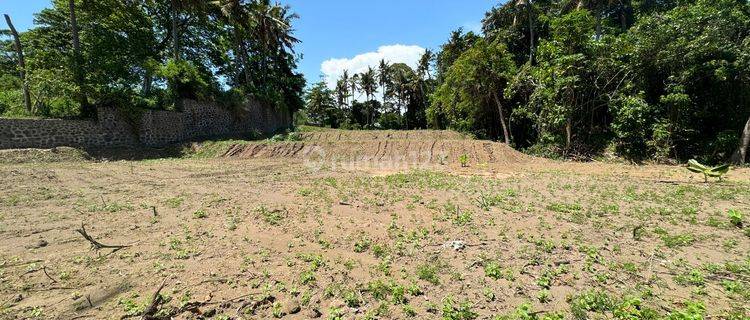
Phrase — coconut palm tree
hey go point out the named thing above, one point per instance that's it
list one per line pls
(368, 83)
(241, 20)
(345, 88)
(424, 64)
(384, 77)
(342, 93)
(354, 84)
(272, 31)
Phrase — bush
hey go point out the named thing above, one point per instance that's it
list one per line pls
(632, 125)
(391, 120)
(187, 80)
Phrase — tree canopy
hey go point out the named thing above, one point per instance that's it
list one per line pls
(152, 54)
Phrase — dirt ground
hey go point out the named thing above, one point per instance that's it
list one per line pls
(367, 237)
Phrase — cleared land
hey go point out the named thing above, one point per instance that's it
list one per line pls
(356, 234)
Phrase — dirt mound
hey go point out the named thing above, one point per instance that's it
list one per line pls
(364, 135)
(380, 147)
(59, 154)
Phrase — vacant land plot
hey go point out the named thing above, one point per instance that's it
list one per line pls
(255, 238)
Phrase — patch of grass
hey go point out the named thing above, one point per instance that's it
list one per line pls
(273, 217)
(175, 202)
(429, 273)
(212, 149)
(494, 270)
(200, 214)
(675, 240)
(564, 207)
(458, 311)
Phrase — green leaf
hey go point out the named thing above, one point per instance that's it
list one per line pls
(696, 167)
(718, 171)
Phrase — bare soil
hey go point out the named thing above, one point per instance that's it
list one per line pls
(262, 231)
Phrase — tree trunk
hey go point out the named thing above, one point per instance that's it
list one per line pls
(568, 134)
(175, 30)
(147, 83)
(530, 12)
(242, 55)
(741, 154)
(598, 26)
(86, 109)
(21, 64)
(506, 133)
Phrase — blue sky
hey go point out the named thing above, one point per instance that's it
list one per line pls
(349, 33)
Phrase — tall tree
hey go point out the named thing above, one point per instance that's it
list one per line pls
(384, 78)
(475, 81)
(21, 64)
(240, 20)
(368, 84)
(87, 110)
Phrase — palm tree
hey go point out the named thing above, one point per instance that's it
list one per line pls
(384, 77)
(424, 64)
(344, 83)
(238, 17)
(354, 84)
(369, 85)
(272, 30)
(21, 63)
(342, 93)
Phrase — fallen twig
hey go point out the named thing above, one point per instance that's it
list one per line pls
(96, 245)
(44, 268)
(156, 300)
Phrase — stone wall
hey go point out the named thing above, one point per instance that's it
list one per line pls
(199, 120)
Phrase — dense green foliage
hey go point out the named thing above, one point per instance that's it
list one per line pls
(152, 54)
(647, 79)
(641, 78)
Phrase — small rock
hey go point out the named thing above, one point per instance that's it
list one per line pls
(18, 298)
(456, 245)
(39, 244)
(313, 313)
(291, 307)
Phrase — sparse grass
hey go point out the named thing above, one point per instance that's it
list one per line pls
(559, 241)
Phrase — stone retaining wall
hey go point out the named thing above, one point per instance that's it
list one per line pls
(199, 120)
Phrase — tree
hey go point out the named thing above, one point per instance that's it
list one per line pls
(474, 82)
(321, 106)
(240, 20)
(425, 63)
(78, 73)
(21, 64)
(368, 84)
(384, 78)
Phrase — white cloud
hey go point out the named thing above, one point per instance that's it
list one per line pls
(332, 69)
